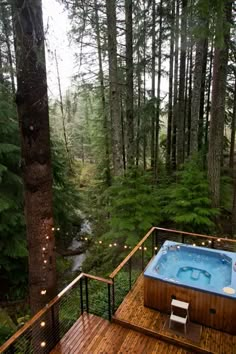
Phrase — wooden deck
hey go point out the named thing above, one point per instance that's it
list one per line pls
(92, 334)
(133, 314)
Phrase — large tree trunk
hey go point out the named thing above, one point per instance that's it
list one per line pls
(176, 82)
(233, 129)
(202, 98)
(196, 96)
(32, 105)
(158, 91)
(181, 110)
(103, 98)
(63, 116)
(144, 88)
(218, 112)
(170, 101)
(208, 103)
(153, 82)
(114, 87)
(129, 83)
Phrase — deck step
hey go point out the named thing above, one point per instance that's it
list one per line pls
(178, 319)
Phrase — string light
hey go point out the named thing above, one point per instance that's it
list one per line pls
(140, 248)
(125, 246)
(155, 248)
(100, 242)
(43, 344)
(43, 249)
(194, 244)
(45, 261)
(53, 228)
(203, 243)
(43, 292)
(145, 248)
(86, 239)
(218, 239)
(58, 229)
(42, 324)
(47, 237)
(209, 241)
(110, 245)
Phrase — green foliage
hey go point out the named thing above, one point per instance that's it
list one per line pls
(132, 205)
(187, 202)
(13, 253)
(65, 194)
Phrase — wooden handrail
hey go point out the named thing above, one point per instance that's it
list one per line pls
(134, 250)
(94, 277)
(195, 235)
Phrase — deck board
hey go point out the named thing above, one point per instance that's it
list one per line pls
(92, 334)
(132, 310)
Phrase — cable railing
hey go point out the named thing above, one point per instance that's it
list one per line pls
(98, 295)
(48, 326)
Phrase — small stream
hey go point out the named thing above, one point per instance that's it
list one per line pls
(86, 230)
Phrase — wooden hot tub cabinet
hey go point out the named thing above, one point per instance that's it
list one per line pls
(206, 308)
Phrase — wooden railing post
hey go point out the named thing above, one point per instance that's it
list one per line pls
(156, 240)
(142, 258)
(182, 238)
(55, 324)
(86, 294)
(81, 296)
(113, 296)
(130, 273)
(109, 301)
(153, 244)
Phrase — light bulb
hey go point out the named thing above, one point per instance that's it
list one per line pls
(42, 324)
(58, 229)
(110, 245)
(53, 228)
(44, 249)
(100, 242)
(47, 237)
(115, 244)
(125, 246)
(43, 344)
(45, 261)
(145, 248)
(43, 292)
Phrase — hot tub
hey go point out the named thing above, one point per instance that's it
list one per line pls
(205, 278)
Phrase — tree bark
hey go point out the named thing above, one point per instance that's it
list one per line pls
(129, 83)
(202, 98)
(196, 96)
(114, 87)
(181, 110)
(32, 105)
(153, 82)
(170, 101)
(218, 112)
(158, 91)
(103, 98)
(62, 112)
(233, 129)
(176, 83)
(208, 104)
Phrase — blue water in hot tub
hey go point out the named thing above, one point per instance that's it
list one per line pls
(197, 267)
